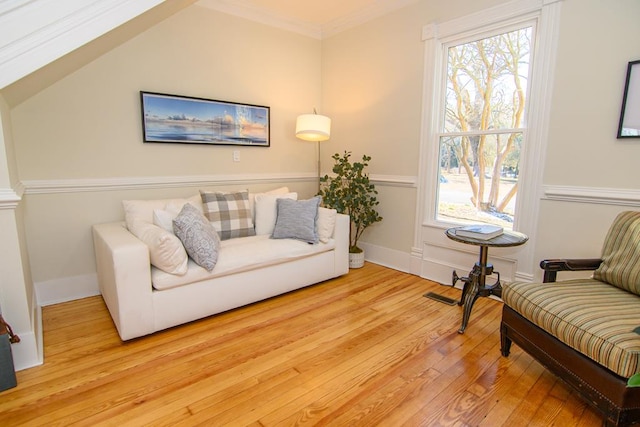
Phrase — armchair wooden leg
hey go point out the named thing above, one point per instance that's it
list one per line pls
(505, 342)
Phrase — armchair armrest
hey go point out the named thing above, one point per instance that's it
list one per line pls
(552, 266)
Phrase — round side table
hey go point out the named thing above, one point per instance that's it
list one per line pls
(475, 284)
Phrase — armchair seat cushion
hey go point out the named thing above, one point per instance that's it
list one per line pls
(592, 317)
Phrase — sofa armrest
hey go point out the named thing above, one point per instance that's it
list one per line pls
(552, 266)
(124, 277)
(341, 237)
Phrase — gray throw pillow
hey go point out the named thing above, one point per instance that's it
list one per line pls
(297, 220)
(198, 236)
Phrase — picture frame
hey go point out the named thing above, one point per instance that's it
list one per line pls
(629, 126)
(188, 120)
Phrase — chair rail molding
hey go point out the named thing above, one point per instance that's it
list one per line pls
(51, 186)
(594, 195)
(9, 198)
(153, 182)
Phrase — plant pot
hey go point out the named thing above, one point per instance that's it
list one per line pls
(356, 259)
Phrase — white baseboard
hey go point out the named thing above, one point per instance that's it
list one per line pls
(29, 352)
(66, 289)
(25, 353)
(386, 257)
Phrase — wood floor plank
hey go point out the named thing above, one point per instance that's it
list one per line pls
(365, 349)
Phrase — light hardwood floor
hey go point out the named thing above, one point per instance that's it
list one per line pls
(365, 349)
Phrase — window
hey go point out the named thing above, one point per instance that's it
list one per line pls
(481, 129)
(488, 80)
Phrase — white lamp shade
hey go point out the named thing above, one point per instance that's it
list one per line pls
(313, 127)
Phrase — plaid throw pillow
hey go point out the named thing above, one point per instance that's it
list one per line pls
(229, 213)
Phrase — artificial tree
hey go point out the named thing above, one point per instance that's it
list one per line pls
(350, 192)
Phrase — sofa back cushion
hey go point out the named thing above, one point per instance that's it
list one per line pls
(142, 210)
(266, 211)
(621, 254)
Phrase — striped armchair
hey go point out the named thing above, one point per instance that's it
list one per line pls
(585, 330)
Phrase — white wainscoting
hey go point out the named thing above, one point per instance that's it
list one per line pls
(436, 262)
(70, 288)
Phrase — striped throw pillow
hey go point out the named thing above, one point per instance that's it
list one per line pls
(621, 254)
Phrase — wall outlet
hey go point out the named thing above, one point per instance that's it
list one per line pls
(236, 155)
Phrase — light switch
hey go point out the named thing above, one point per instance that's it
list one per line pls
(236, 155)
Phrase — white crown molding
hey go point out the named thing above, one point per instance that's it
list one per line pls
(601, 196)
(57, 30)
(369, 13)
(263, 16)
(245, 9)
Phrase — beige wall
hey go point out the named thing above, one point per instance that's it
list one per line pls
(88, 125)
(372, 87)
(597, 40)
(368, 79)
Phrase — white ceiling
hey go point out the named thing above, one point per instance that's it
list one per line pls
(318, 19)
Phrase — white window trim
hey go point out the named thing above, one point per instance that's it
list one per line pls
(546, 14)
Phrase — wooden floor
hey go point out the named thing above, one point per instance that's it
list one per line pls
(365, 349)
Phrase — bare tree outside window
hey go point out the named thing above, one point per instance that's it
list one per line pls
(483, 128)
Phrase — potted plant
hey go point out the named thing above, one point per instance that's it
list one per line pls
(350, 192)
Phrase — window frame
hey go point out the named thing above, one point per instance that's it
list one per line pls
(546, 16)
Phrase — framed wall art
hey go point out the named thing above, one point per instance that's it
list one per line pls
(188, 120)
(629, 126)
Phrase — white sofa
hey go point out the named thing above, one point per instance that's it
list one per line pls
(143, 299)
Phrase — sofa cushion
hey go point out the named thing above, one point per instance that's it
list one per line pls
(621, 253)
(143, 209)
(229, 213)
(297, 219)
(589, 316)
(198, 236)
(166, 252)
(252, 198)
(243, 254)
(266, 211)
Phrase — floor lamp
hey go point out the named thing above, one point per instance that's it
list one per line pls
(314, 127)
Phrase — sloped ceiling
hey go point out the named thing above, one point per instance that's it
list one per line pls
(34, 53)
(37, 32)
(41, 41)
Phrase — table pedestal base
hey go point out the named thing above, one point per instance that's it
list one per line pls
(474, 287)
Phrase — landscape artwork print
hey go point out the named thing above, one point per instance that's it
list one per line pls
(172, 118)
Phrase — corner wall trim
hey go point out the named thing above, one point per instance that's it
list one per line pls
(9, 198)
(602, 196)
